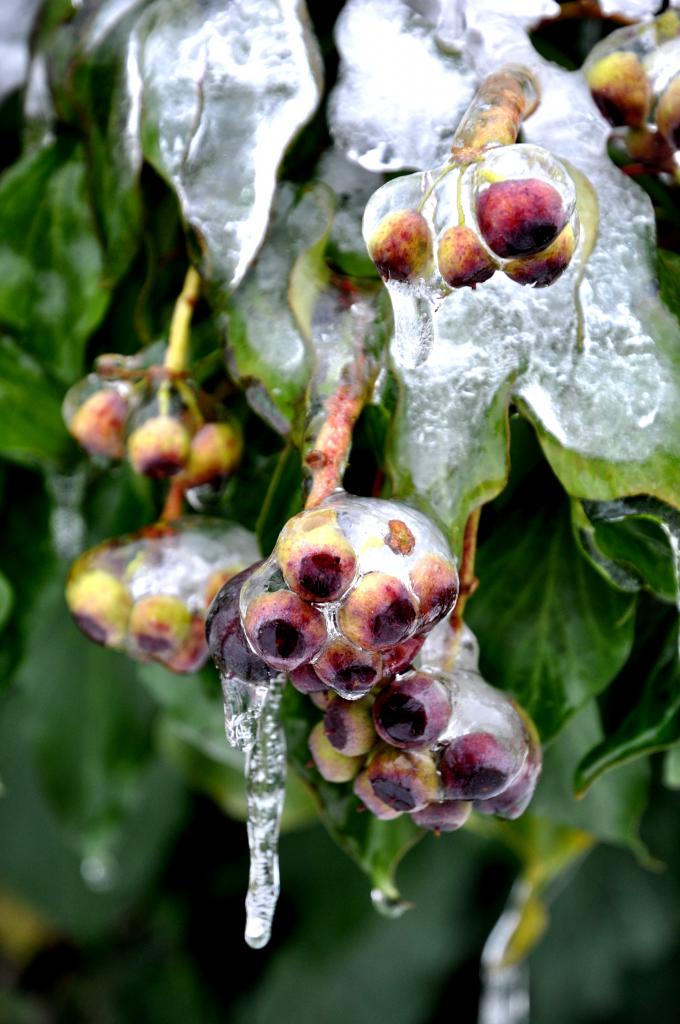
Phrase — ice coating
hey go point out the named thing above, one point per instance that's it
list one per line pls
(591, 359)
(184, 561)
(398, 105)
(265, 787)
(15, 27)
(243, 703)
(390, 542)
(225, 85)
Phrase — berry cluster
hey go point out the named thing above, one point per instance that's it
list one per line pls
(634, 79)
(345, 600)
(344, 606)
(512, 209)
(147, 593)
(164, 424)
(430, 744)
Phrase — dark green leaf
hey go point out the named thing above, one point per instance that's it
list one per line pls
(653, 722)
(283, 499)
(551, 630)
(612, 809)
(6, 600)
(51, 291)
(32, 430)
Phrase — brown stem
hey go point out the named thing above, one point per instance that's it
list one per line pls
(468, 580)
(503, 100)
(327, 460)
(174, 502)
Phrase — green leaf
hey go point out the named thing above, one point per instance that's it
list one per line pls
(283, 498)
(668, 265)
(653, 721)
(33, 430)
(216, 123)
(51, 262)
(6, 600)
(551, 630)
(612, 808)
(376, 846)
(89, 725)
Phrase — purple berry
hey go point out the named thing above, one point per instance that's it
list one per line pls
(405, 780)
(520, 216)
(412, 712)
(349, 726)
(378, 613)
(315, 557)
(331, 764)
(514, 800)
(476, 766)
(364, 790)
(283, 629)
(348, 669)
(443, 815)
(227, 642)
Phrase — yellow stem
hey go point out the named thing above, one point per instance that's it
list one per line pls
(178, 342)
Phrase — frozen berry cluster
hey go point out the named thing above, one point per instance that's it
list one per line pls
(513, 209)
(344, 602)
(430, 744)
(147, 593)
(164, 426)
(634, 79)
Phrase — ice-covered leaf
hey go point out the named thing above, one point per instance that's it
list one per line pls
(397, 105)
(266, 346)
(95, 74)
(15, 26)
(551, 630)
(376, 846)
(225, 87)
(51, 262)
(593, 360)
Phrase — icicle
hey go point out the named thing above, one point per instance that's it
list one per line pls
(505, 983)
(243, 703)
(265, 785)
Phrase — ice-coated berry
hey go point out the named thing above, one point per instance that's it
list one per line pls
(620, 88)
(405, 780)
(401, 246)
(435, 582)
(462, 259)
(284, 630)
(515, 799)
(159, 447)
(520, 216)
(349, 726)
(321, 699)
(227, 642)
(159, 624)
(364, 790)
(668, 114)
(378, 613)
(443, 815)
(544, 268)
(316, 559)
(216, 581)
(305, 680)
(214, 454)
(348, 669)
(330, 763)
(412, 712)
(99, 424)
(100, 605)
(193, 653)
(476, 766)
(397, 659)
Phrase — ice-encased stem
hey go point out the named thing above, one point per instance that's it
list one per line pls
(505, 982)
(265, 786)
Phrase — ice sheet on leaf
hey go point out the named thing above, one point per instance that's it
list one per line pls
(397, 105)
(16, 21)
(225, 89)
(593, 360)
(266, 344)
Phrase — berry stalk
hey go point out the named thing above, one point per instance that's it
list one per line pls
(504, 99)
(178, 341)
